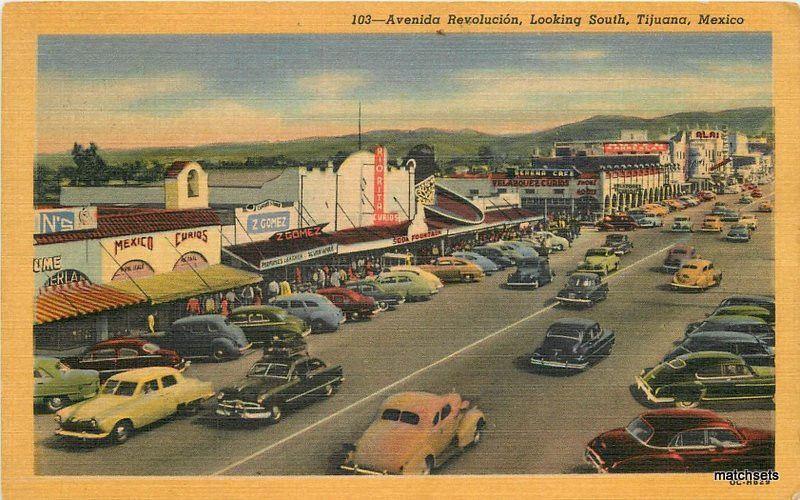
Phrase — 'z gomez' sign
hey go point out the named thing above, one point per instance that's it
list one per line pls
(299, 234)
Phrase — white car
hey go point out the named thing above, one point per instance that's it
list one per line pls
(552, 241)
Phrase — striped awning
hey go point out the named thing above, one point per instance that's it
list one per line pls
(70, 301)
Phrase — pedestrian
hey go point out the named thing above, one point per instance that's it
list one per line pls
(273, 288)
(231, 297)
(247, 295)
(210, 305)
(342, 276)
(285, 288)
(151, 322)
(193, 306)
(320, 281)
(335, 279)
(257, 298)
(223, 307)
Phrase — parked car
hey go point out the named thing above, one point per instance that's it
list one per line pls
(750, 221)
(553, 240)
(751, 349)
(670, 440)
(487, 265)
(573, 344)
(384, 299)
(286, 347)
(414, 433)
(744, 324)
(496, 255)
(116, 355)
(650, 221)
(765, 206)
(675, 204)
(56, 385)
(756, 193)
(583, 289)
(677, 255)
(719, 210)
(599, 260)
(531, 272)
(696, 274)
(764, 301)
(566, 233)
(412, 286)
(537, 246)
(738, 234)
(682, 224)
(428, 276)
(655, 209)
(262, 323)
(314, 309)
(516, 248)
(745, 199)
(707, 195)
(691, 379)
(711, 224)
(729, 216)
(275, 384)
(689, 201)
(354, 305)
(753, 311)
(619, 222)
(619, 243)
(639, 214)
(732, 189)
(132, 400)
(454, 269)
(207, 335)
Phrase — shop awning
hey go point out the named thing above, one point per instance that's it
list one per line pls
(66, 302)
(178, 285)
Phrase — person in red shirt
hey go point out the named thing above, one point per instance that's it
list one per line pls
(223, 307)
(193, 306)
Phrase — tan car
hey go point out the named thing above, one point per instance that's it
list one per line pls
(711, 224)
(415, 432)
(696, 274)
(450, 269)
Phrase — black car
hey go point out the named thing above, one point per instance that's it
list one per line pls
(747, 346)
(620, 243)
(384, 299)
(285, 346)
(573, 344)
(565, 233)
(742, 324)
(583, 289)
(495, 255)
(531, 272)
(275, 384)
(764, 301)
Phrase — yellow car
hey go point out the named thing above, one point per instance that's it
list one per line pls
(696, 274)
(751, 221)
(765, 206)
(711, 224)
(452, 269)
(426, 275)
(131, 400)
(655, 209)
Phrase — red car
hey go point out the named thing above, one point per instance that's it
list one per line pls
(673, 440)
(353, 304)
(707, 195)
(117, 355)
(756, 193)
(619, 222)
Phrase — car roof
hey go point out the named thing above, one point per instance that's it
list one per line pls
(45, 361)
(574, 322)
(697, 262)
(280, 358)
(754, 298)
(418, 402)
(710, 355)
(735, 319)
(261, 308)
(740, 337)
(671, 419)
(300, 296)
(199, 319)
(531, 260)
(682, 246)
(120, 341)
(140, 374)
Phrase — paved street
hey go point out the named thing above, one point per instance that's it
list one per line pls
(466, 340)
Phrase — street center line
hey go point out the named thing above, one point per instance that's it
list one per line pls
(413, 374)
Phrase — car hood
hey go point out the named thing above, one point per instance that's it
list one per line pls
(686, 277)
(757, 435)
(80, 377)
(616, 445)
(387, 445)
(594, 260)
(575, 289)
(97, 407)
(251, 389)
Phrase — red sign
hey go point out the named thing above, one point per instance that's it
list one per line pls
(135, 241)
(200, 234)
(618, 148)
(587, 182)
(387, 219)
(518, 182)
(400, 240)
(379, 183)
(299, 234)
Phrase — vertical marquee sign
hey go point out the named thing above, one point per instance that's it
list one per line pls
(379, 182)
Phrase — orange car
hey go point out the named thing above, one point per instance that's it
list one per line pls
(711, 224)
(696, 274)
(675, 204)
(655, 209)
(414, 433)
(451, 269)
(765, 206)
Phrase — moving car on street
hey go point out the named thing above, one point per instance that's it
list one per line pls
(650, 221)
(487, 265)
(384, 299)
(745, 199)
(354, 305)
(56, 385)
(314, 309)
(711, 224)
(116, 355)
(696, 274)
(262, 323)
(531, 272)
(765, 206)
(599, 260)
(677, 255)
(729, 216)
(275, 384)
(738, 234)
(410, 285)
(414, 433)
(749, 220)
(573, 344)
(691, 379)
(619, 222)
(748, 346)
(130, 401)
(207, 335)
(496, 255)
(682, 224)
(428, 276)
(583, 289)
(670, 440)
(454, 269)
(619, 243)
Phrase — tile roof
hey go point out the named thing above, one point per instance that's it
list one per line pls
(121, 221)
(69, 301)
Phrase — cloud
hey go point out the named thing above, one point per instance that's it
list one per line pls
(331, 84)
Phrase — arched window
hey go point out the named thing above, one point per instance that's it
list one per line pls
(191, 182)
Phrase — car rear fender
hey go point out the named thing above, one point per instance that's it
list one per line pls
(468, 425)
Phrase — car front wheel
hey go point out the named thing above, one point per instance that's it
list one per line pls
(122, 431)
(55, 403)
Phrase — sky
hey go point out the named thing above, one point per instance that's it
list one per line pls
(145, 91)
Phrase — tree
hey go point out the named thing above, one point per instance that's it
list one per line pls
(485, 155)
(425, 158)
(92, 169)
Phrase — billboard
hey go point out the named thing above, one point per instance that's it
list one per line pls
(60, 220)
(264, 219)
(617, 148)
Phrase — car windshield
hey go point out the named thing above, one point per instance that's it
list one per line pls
(62, 367)
(678, 251)
(406, 417)
(280, 315)
(640, 430)
(277, 370)
(689, 266)
(150, 348)
(596, 252)
(580, 281)
(119, 388)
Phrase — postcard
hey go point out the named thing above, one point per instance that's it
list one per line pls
(527, 249)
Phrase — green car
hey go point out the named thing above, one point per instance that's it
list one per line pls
(599, 260)
(411, 286)
(751, 311)
(264, 323)
(56, 385)
(690, 379)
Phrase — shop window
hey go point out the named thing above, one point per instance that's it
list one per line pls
(502, 190)
(473, 192)
(192, 182)
(558, 191)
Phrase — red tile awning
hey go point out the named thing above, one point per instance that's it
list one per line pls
(63, 302)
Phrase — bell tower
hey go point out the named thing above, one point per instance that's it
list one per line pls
(185, 186)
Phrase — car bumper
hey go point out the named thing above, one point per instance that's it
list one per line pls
(559, 364)
(592, 458)
(681, 230)
(681, 286)
(233, 412)
(306, 332)
(572, 300)
(645, 389)
(357, 469)
(183, 365)
(246, 348)
(83, 435)
(736, 239)
(522, 284)
(710, 229)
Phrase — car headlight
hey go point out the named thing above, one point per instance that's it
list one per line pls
(220, 396)
(94, 423)
(58, 418)
(261, 399)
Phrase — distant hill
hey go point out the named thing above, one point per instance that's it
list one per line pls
(450, 146)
